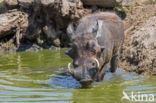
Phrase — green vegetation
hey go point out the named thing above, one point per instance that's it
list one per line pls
(123, 9)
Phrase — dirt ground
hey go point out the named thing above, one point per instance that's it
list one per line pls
(138, 53)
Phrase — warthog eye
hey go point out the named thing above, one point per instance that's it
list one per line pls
(93, 64)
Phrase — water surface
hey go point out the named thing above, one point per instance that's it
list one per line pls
(42, 76)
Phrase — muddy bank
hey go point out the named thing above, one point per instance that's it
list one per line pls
(139, 50)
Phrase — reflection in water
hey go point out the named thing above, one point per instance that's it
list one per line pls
(19, 68)
(65, 81)
(42, 77)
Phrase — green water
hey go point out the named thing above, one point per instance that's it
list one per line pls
(41, 77)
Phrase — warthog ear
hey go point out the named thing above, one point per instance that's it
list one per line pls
(97, 30)
(70, 30)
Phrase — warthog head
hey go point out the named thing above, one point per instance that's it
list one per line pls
(86, 55)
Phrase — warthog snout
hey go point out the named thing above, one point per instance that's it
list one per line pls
(83, 73)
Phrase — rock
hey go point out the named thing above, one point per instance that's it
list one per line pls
(102, 3)
(57, 42)
(11, 3)
(14, 22)
(112, 3)
(26, 3)
(50, 32)
(46, 2)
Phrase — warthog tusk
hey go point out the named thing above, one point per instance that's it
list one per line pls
(69, 68)
(98, 64)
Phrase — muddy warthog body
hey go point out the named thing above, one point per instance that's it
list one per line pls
(95, 44)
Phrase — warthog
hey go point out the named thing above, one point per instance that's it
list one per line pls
(95, 44)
